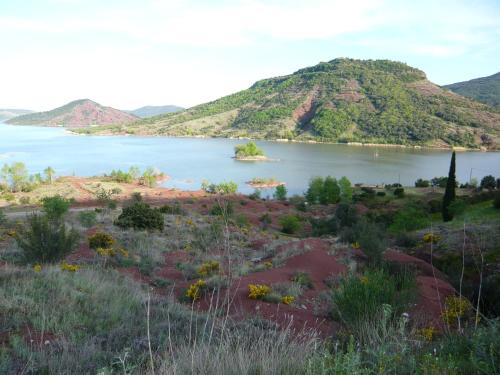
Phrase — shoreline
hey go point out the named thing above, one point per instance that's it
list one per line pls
(278, 140)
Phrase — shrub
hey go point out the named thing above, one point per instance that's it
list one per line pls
(488, 182)
(358, 300)
(87, 218)
(290, 224)
(371, 239)
(345, 189)
(101, 240)
(381, 194)
(457, 207)
(55, 207)
(346, 215)
(266, 220)
(221, 188)
(496, 201)
(175, 209)
(45, 241)
(422, 183)
(399, 192)
(255, 195)
(3, 217)
(258, 291)
(435, 205)
(209, 268)
(303, 279)
(314, 190)
(222, 209)
(195, 290)
(411, 217)
(280, 193)
(140, 216)
(247, 150)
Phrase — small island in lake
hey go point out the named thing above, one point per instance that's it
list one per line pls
(264, 183)
(249, 152)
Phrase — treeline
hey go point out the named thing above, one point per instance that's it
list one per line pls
(15, 178)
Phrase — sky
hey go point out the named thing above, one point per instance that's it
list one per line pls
(131, 53)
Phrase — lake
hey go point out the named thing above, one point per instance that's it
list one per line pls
(190, 160)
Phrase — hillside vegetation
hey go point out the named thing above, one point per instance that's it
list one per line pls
(152, 110)
(79, 113)
(344, 100)
(6, 114)
(485, 89)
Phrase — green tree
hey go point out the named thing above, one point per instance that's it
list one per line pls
(314, 191)
(449, 193)
(280, 193)
(331, 191)
(488, 182)
(55, 207)
(49, 174)
(345, 189)
(149, 177)
(15, 176)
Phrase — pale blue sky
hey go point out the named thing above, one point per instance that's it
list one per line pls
(127, 54)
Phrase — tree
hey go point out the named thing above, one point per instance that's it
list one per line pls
(49, 174)
(331, 191)
(345, 189)
(280, 193)
(55, 207)
(15, 176)
(449, 193)
(488, 182)
(314, 190)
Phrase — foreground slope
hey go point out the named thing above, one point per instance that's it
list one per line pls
(485, 89)
(78, 113)
(375, 101)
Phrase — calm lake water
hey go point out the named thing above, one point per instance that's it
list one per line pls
(189, 161)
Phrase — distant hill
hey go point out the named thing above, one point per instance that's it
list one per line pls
(79, 113)
(6, 114)
(151, 110)
(485, 89)
(343, 100)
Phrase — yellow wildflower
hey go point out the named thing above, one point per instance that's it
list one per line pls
(364, 280)
(428, 333)
(355, 245)
(124, 253)
(37, 268)
(287, 300)
(194, 291)
(257, 291)
(431, 237)
(69, 267)
(455, 308)
(268, 264)
(208, 268)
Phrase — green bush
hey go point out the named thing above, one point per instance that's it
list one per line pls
(280, 193)
(43, 240)
(140, 216)
(303, 279)
(290, 224)
(399, 192)
(3, 217)
(222, 209)
(55, 207)
(358, 300)
(371, 239)
(221, 188)
(422, 183)
(496, 201)
(411, 217)
(174, 209)
(87, 218)
(247, 150)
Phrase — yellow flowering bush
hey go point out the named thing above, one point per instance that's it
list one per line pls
(101, 240)
(194, 291)
(455, 308)
(428, 333)
(258, 291)
(287, 300)
(69, 267)
(124, 253)
(11, 233)
(355, 245)
(431, 237)
(268, 264)
(364, 280)
(37, 268)
(106, 252)
(208, 268)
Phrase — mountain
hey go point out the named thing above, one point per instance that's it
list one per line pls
(6, 114)
(485, 89)
(344, 100)
(152, 110)
(79, 113)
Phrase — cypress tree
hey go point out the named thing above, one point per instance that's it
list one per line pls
(449, 193)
